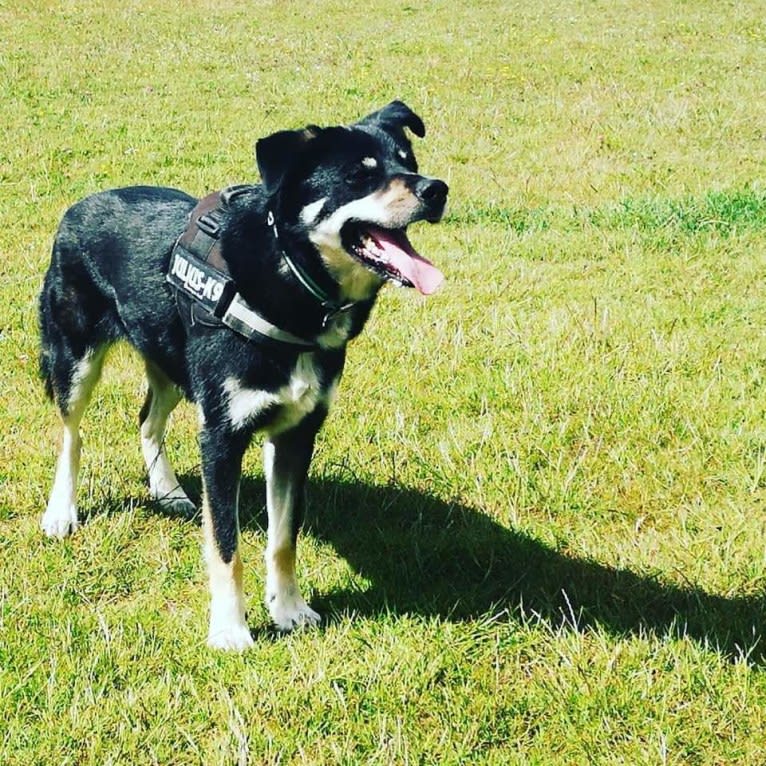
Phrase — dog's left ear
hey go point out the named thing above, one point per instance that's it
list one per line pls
(395, 116)
(277, 152)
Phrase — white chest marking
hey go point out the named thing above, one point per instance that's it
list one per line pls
(299, 397)
(246, 403)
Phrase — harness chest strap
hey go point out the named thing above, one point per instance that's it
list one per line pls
(243, 320)
(199, 272)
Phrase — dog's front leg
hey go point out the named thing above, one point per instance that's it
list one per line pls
(287, 456)
(221, 468)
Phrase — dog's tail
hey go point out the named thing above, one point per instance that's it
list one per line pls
(44, 319)
(45, 374)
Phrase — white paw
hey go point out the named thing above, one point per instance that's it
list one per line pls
(233, 638)
(291, 611)
(59, 520)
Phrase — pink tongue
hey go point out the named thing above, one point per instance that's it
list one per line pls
(398, 251)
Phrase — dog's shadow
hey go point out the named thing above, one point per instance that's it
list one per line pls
(424, 556)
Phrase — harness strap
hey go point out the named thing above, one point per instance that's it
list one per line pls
(242, 319)
(199, 273)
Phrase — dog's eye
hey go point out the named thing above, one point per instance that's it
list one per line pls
(361, 172)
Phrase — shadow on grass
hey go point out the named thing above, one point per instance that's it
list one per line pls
(428, 557)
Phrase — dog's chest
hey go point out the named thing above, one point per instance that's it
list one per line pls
(289, 404)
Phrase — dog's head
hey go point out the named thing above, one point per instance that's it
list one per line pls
(352, 192)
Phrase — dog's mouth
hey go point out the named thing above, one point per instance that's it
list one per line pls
(389, 253)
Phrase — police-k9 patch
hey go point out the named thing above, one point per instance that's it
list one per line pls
(200, 281)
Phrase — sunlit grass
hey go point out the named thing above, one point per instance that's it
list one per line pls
(535, 525)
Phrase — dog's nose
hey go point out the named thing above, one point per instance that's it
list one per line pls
(432, 191)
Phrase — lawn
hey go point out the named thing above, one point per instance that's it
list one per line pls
(536, 524)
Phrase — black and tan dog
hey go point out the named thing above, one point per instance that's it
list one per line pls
(256, 335)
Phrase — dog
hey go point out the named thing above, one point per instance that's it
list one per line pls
(257, 340)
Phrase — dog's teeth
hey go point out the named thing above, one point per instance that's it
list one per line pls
(373, 250)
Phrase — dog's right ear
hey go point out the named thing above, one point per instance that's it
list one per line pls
(395, 116)
(276, 153)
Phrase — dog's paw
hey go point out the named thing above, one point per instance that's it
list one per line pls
(232, 638)
(59, 521)
(291, 612)
(171, 498)
(178, 506)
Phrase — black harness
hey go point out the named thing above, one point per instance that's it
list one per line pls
(204, 290)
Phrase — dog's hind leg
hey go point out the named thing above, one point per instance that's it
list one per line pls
(72, 382)
(161, 398)
(286, 461)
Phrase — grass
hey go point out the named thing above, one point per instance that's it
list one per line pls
(536, 521)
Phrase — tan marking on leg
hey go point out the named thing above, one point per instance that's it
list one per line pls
(283, 598)
(228, 627)
(284, 562)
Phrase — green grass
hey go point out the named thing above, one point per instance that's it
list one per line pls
(536, 524)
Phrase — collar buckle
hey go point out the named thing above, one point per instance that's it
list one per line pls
(335, 311)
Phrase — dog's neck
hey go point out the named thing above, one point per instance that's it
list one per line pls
(321, 313)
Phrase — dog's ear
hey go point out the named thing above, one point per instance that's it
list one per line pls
(277, 152)
(395, 116)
